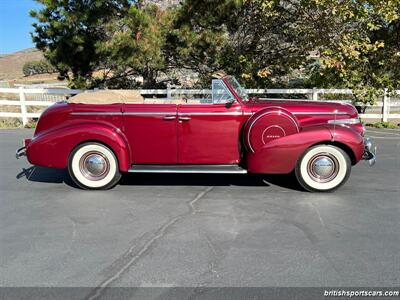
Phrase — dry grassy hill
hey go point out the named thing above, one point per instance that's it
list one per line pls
(11, 64)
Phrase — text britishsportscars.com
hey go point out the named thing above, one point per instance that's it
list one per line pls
(361, 293)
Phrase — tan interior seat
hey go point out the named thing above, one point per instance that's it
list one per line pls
(123, 96)
(108, 97)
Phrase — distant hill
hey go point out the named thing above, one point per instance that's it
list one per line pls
(11, 64)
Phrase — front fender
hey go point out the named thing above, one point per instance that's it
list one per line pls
(350, 137)
(281, 155)
(52, 148)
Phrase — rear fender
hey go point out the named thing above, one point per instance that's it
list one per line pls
(52, 148)
(281, 155)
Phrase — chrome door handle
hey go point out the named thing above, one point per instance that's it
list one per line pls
(184, 118)
(167, 118)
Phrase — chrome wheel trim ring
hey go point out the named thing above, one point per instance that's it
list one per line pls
(94, 165)
(323, 167)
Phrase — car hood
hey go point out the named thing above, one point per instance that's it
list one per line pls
(307, 107)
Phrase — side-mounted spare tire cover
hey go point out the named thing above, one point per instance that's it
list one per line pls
(269, 124)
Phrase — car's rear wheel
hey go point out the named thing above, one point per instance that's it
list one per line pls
(94, 166)
(323, 168)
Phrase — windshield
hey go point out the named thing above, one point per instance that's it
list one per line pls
(240, 91)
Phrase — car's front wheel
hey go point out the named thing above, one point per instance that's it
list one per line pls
(94, 166)
(323, 168)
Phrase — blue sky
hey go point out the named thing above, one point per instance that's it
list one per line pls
(15, 25)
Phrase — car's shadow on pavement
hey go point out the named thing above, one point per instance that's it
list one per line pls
(51, 175)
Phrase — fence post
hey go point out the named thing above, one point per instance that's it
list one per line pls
(386, 106)
(23, 106)
(169, 93)
(315, 94)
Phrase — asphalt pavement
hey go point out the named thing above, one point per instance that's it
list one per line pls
(164, 230)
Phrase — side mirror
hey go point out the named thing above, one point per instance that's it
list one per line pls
(229, 103)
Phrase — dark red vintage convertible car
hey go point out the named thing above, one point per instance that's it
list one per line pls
(233, 133)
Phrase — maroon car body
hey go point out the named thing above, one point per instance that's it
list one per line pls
(233, 134)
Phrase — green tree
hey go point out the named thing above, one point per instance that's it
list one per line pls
(355, 44)
(104, 43)
(37, 67)
(362, 50)
(67, 31)
(136, 47)
(269, 42)
(257, 41)
(199, 34)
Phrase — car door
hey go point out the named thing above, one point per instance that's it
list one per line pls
(151, 130)
(209, 133)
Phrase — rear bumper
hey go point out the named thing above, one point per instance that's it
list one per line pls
(22, 151)
(369, 151)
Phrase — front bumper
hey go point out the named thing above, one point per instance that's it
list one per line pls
(369, 151)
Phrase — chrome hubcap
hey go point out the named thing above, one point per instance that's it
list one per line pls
(94, 166)
(323, 167)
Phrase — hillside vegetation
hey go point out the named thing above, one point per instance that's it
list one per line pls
(11, 65)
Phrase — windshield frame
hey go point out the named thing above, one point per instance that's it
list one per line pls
(237, 88)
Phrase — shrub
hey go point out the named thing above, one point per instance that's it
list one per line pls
(10, 123)
(37, 67)
(16, 123)
(389, 125)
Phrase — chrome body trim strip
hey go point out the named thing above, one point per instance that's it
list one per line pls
(229, 113)
(328, 113)
(234, 113)
(149, 113)
(103, 113)
(345, 121)
(157, 113)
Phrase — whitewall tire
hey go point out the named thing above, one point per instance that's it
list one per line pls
(323, 168)
(93, 166)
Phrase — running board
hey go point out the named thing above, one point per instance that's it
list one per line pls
(210, 169)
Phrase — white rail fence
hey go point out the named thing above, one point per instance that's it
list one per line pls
(43, 97)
